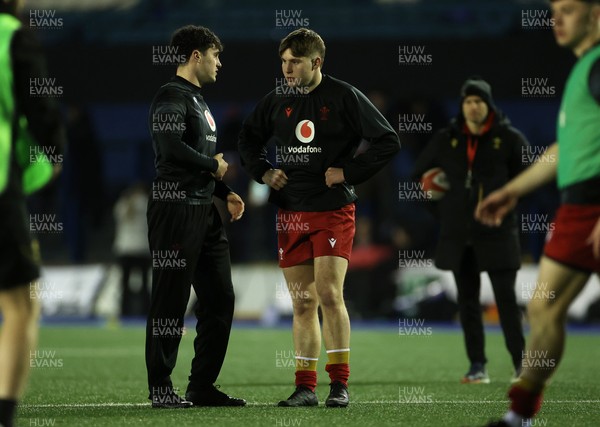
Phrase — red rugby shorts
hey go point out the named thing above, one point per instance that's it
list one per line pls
(303, 236)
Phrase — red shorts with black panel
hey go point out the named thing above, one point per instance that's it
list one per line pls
(303, 236)
(568, 244)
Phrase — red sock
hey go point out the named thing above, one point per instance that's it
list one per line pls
(307, 379)
(339, 372)
(524, 402)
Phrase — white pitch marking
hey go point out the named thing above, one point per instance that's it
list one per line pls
(371, 402)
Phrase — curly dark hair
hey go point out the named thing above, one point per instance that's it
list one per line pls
(192, 37)
(303, 42)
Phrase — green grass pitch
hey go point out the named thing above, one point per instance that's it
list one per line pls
(95, 376)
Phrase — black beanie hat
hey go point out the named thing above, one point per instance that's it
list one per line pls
(478, 87)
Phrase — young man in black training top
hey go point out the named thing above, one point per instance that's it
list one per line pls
(317, 123)
(186, 236)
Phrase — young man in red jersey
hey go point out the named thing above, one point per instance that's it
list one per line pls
(572, 252)
(317, 123)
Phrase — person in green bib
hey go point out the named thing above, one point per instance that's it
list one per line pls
(31, 135)
(572, 251)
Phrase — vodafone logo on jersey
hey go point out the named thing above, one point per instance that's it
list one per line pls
(305, 131)
(210, 120)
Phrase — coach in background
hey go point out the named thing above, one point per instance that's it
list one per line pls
(25, 122)
(479, 152)
(187, 240)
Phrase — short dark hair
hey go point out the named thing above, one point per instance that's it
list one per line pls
(303, 42)
(192, 37)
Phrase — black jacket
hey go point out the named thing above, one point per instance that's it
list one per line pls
(499, 157)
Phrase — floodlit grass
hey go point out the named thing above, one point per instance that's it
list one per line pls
(95, 376)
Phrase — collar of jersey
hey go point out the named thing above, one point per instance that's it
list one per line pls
(187, 84)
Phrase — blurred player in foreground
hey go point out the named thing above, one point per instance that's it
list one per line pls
(479, 152)
(187, 240)
(317, 123)
(572, 252)
(30, 128)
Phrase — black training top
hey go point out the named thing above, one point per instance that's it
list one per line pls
(184, 137)
(312, 132)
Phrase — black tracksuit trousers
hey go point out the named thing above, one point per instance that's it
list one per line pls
(189, 248)
(503, 284)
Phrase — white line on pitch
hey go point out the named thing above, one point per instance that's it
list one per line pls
(373, 402)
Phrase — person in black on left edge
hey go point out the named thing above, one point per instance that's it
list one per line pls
(187, 240)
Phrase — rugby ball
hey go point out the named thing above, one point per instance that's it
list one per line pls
(435, 183)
